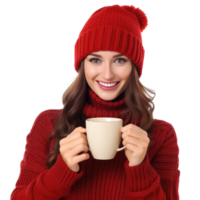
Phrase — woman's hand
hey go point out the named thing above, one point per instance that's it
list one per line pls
(136, 141)
(71, 147)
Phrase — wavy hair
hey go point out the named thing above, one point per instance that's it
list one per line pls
(138, 102)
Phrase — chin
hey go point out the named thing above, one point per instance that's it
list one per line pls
(108, 97)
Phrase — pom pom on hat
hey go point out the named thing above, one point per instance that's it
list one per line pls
(141, 15)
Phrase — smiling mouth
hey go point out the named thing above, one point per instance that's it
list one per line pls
(108, 86)
(108, 83)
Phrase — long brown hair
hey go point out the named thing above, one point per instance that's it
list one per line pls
(138, 101)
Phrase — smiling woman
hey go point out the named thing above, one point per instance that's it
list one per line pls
(57, 163)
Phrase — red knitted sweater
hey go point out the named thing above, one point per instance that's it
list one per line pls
(157, 177)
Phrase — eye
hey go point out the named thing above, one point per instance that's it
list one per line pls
(121, 59)
(94, 60)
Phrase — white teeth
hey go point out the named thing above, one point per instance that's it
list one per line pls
(108, 85)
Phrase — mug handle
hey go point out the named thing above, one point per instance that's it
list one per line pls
(119, 149)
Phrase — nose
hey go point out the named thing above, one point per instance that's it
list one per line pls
(107, 71)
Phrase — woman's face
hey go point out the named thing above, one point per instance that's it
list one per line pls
(107, 67)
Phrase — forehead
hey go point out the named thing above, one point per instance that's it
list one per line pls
(106, 54)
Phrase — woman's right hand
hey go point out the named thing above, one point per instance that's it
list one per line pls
(71, 147)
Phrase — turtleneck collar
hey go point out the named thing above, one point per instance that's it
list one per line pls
(96, 101)
(97, 107)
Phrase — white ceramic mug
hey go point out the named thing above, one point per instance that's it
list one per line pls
(104, 136)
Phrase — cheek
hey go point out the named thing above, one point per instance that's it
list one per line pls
(129, 70)
(90, 73)
(87, 71)
(125, 73)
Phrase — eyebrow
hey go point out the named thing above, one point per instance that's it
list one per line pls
(92, 54)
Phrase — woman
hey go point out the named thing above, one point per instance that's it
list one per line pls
(57, 164)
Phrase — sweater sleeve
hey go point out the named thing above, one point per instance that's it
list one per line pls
(158, 180)
(36, 181)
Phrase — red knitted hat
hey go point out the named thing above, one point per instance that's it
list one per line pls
(113, 28)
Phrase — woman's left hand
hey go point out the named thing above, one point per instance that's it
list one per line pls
(136, 141)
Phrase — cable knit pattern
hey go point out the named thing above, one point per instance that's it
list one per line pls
(156, 178)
